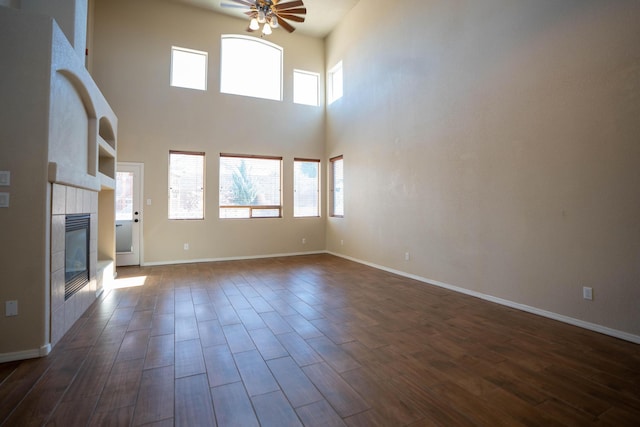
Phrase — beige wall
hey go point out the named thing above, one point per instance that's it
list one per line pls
(131, 64)
(498, 143)
(24, 226)
(71, 16)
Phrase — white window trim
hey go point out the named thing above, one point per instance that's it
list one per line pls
(258, 40)
(331, 93)
(309, 73)
(193, 51)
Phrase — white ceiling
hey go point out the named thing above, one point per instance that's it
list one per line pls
(322, 15)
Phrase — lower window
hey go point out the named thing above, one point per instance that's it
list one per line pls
(306, 188)
(250, 186)
(186, 185)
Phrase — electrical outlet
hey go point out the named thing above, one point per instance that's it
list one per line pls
(186, 246)
(304, 240)
(407, 256)
(587, 293)
(11, 308)
(341, 242)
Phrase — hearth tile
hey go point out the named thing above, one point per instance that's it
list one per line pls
(71, 200)
(57, 233)
(58, 199)
(57, 289)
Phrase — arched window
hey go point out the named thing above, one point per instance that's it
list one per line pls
(250, 67)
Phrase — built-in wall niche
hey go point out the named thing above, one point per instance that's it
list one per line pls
(106, 154)
(106, 160)
(106, 132)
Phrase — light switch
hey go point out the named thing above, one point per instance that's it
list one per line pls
(11, 308)
(5, 178)
(4, 200)
(148, 202)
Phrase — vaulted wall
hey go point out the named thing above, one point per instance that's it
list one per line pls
(131, 60)
(496, 142)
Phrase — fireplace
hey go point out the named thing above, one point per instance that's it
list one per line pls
(76, 253)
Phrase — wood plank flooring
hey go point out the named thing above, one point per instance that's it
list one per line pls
(316, 341)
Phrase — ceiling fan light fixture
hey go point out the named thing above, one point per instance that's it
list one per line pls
(272, 13)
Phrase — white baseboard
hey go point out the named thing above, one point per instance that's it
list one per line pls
(544, 313)
(239, 258)
(26, 354)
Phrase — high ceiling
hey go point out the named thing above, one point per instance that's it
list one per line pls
(322, 15)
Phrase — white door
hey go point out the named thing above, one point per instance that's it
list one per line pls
(128, 213)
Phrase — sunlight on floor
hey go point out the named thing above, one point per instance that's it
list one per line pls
(128, 282)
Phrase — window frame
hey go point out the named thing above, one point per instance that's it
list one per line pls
(318, 180)
(251, 208)
(332, 95)
(258, 42)
(202, 213)
(191, 51)
(307, 73)
(332, 187)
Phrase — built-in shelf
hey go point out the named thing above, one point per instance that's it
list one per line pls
(106, 133)
(106, 159)
(106, 183)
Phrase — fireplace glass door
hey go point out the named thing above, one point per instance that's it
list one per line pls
(76, 251)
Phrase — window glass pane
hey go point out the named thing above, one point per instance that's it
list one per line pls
(124, 196)
(337, 187)
(247, 184)
(188, 68)
(305, 87)
(335, 83)
(306, 187)
(186, 185)
(251, 67)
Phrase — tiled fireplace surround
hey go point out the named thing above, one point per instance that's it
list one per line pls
(70, 200)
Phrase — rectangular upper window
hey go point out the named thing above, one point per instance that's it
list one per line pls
(305, 87)
(306, 188)
(186, 185)
(250, 186)
(250, 67)
(188, 68)
(337, 186)
(334, 83)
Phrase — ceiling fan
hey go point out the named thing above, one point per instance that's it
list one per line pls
(271, 13)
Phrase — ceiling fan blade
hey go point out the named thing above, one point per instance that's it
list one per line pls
(284, 24)
(247, 3)
(297, 11)
(238, 6)
(251, 14)
(289, 5)
(291, 17)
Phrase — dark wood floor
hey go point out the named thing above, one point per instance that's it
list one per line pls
(317, 341)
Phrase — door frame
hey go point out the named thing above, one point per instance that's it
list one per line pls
(140, 167)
